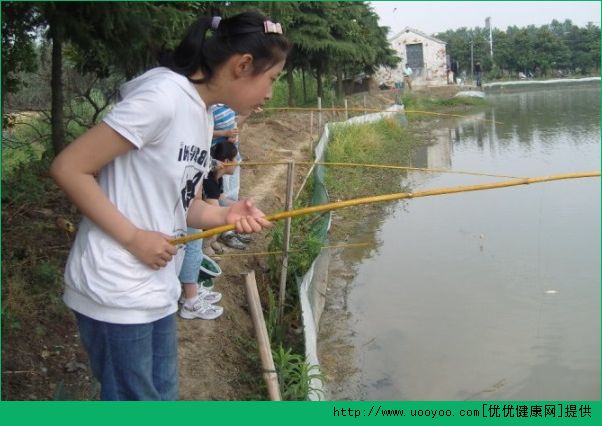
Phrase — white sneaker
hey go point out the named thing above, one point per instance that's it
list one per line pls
(201, 309)
(229, 239)
(208, 295)
(205, 287)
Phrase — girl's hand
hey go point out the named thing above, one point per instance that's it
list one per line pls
(247, 217)
(151, 248)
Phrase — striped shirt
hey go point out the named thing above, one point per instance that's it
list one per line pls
(223, 119)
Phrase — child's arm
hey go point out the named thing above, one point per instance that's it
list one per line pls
(73, 170)
(225, 201)
(229, 133)
(243, 214)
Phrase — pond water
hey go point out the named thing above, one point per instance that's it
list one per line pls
(492, 294)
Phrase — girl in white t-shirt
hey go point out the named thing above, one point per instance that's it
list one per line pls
(152, 150)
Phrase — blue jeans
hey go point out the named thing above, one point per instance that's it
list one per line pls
(189, 273)
(132, 361)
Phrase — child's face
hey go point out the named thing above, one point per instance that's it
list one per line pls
(252, 91)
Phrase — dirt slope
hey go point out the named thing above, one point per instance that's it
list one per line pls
(216, 361)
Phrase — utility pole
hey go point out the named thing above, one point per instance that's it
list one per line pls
(471, 60)
(488, 25)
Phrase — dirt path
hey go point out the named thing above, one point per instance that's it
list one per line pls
(216, 362)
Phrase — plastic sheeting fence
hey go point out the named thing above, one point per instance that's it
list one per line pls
(312, 286)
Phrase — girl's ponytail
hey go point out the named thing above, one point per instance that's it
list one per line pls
(247, 32)
(187, 58)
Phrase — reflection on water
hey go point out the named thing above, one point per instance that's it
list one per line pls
(494, 294)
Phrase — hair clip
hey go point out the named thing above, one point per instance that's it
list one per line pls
(215, 22)
(270, 27)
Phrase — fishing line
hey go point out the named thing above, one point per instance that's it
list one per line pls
(376, 166)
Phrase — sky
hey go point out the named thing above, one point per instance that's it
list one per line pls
(438, 16)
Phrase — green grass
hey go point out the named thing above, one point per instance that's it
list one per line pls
(449, 105)
(24, 141)
(384, 142)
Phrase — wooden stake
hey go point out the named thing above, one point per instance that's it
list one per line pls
(319, 116)
(263, 342)
(311, 135)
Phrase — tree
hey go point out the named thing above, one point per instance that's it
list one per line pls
(559, 45)
(19, 23)
(101, 38)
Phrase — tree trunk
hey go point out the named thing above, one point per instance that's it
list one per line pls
(304, 86)
(290, 81)
(56, 83)
(339, 86)
(319, 81)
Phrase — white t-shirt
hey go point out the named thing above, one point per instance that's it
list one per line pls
(163, 116)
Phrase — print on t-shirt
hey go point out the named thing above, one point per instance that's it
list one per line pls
(192, 177)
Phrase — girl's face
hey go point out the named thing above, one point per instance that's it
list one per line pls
(250, 91)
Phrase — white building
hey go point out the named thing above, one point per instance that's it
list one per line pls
(425, 55)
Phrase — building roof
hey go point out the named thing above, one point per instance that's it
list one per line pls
(420, 33)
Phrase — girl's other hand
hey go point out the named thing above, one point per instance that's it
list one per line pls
(247, 217)
(151, 248)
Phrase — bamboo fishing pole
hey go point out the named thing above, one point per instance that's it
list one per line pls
(389, 197)
(411, 111)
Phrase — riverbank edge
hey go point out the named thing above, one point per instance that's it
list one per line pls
(338, 358)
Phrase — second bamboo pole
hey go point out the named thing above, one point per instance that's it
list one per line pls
(263, 341)
(286, 241)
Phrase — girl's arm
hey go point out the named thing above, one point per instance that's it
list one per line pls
(73, 170)
(243, 214)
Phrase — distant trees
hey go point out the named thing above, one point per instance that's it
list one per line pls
(545, 50)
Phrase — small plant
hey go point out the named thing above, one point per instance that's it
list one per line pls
(46, 274)
(25, 184)
(10, 322)
(295, 375)
(275, 330)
